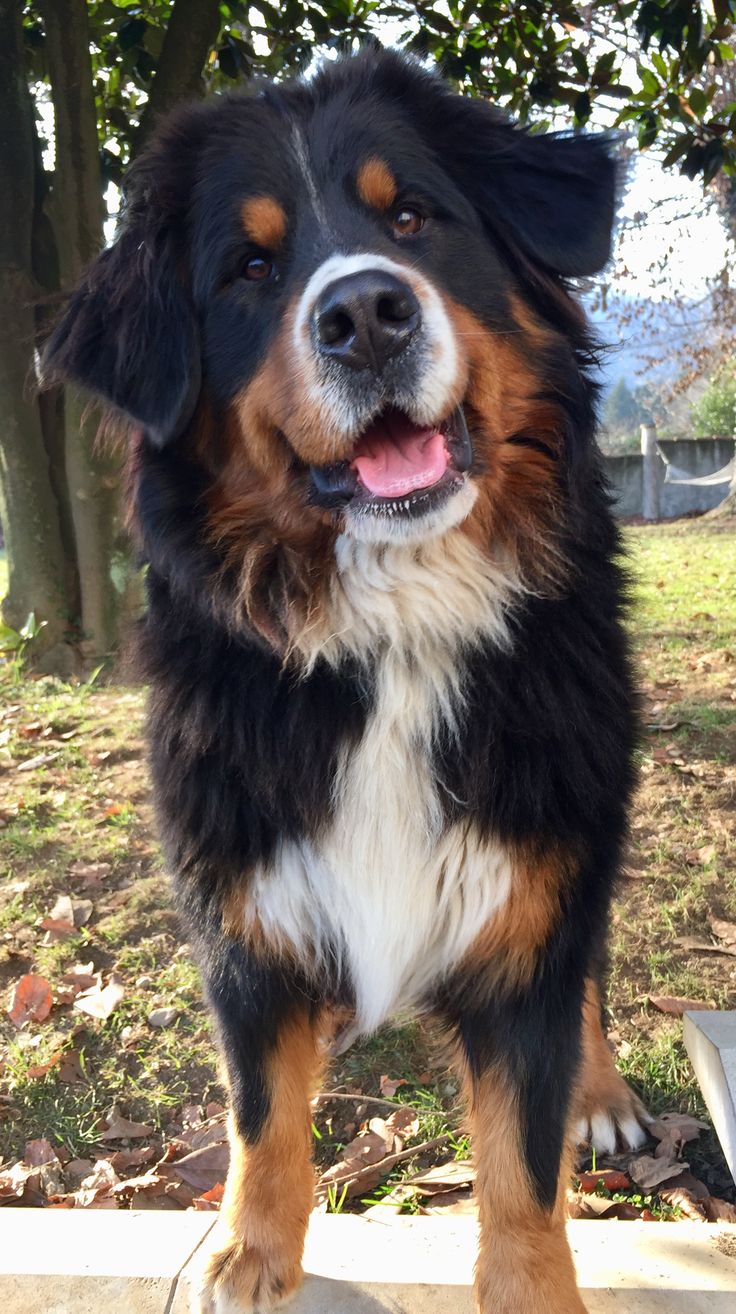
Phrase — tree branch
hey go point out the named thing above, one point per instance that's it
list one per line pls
(190, 35)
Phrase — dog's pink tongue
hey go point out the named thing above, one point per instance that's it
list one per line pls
(394, 457)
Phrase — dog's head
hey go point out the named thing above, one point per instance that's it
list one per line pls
(345, 299)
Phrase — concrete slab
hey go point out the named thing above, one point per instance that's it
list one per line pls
(424, 1266)
(710, 1040)
(59, 1261)
(90, 1262)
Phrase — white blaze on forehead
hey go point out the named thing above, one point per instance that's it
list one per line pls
(302, 158)
(434, 389)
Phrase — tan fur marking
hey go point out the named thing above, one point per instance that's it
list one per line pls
(376, 184)
(267, 535)
(518, 502)
(264, 221)
(270, 1185)
(524, 1262)
(507, 949)
(241, 923)
(600, 1087)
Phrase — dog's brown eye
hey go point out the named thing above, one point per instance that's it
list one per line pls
(257, 268)
(407, 222)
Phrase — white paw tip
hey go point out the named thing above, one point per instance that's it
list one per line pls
(603, 1133)
(632, 1133)
(582, 1131)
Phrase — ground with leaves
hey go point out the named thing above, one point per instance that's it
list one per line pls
(109, 1091)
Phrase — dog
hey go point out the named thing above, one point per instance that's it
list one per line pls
(392, 717)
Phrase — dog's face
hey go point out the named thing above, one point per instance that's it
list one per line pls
(345, 296)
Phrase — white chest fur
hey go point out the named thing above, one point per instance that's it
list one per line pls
(397, 898)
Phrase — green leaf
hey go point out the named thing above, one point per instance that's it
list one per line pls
(698, 101)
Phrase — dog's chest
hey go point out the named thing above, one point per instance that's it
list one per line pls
(386, 887)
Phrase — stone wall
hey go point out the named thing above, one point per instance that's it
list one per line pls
(699, 456)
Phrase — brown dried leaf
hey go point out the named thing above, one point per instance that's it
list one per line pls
(461, 1203)
(202, 1169)
(403, 1123)
(676, 1006)
(649, 1172)
(447, 1177)
(390, 1085)
(96, 1190)
(40, 1069)
(701, 857)
(683, 1125)
(725, 931)
(211, 1199)
(119, 1128)
(32, 1000)
(121, 1160)
(70, 1069)
(39, 1152)
(90, 874)
(151, 1182)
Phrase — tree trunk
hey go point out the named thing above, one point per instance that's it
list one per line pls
(190, 35)
(28, 507)
(77, 213)
(45, 259)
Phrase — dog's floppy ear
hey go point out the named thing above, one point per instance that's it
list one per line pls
(129, 333)
(551, 196)
(555, 196)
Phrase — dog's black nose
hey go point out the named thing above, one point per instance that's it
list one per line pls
(362, 320)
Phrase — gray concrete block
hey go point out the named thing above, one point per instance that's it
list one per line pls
(89, 1262)
(710, 1040)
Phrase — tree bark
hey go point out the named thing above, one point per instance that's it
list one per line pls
(28, 507)
(190, 35)
(77, 211)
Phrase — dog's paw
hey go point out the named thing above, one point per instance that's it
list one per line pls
(238, 1279)
(611, 1117)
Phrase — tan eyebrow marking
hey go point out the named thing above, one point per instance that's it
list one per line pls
(264, 220)
(376, 184)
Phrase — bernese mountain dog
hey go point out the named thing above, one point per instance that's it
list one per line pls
(392, 719)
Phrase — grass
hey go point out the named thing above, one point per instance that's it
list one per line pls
(86, 800)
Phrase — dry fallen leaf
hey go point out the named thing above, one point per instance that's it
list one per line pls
(39, 1152)
(121, 1160)
(447, 1177)
(683, 1125)
(725, 931)
(676, 1006)
(701, 857)
(100, 1002)
(40, 1069)
(119, 1128)
(90, 874)
(390, 1085)
(96, 1190)
(211, 1199)
(31, 1001)
(202, 1169)
(648, 1172)
(70, 1069)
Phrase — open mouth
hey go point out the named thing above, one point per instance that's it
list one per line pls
(398, 468)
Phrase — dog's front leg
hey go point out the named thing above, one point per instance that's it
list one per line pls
(270, 1041)
(520, 1065)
